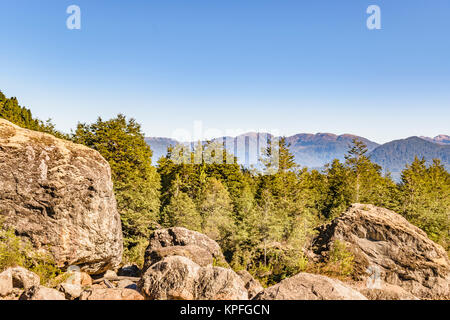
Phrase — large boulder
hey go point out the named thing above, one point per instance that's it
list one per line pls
(195, 253)
(111, 294)
(42, 293)
(178, 278)
(387, 248)
(23, 278)
(305, 286)
(59, 195)
(385, 291)
(6, 283)
(182, 237)
(251, 284)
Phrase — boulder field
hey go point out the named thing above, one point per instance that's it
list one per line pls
(59, 196)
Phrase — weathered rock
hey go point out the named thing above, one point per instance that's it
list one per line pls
(78, 278)
(42, 293)
(6, 283)
(306, 286)
(23, 278)
(251, 284)
(111, 294)
(178, 278)
(129, 271)
(128, 284)
(71, 291)
(199, 255)
(183, 237)
(110, 274)
(60, 196)
(388, 247)
(384, 292)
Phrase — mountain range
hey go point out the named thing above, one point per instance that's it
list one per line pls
(316, 150)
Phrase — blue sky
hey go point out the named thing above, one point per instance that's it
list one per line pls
(291, 66)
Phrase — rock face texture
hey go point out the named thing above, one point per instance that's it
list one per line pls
(42, 293)
(59, 195)
(182, 237)
(178, 278)
(305, 286)
(388, 248)
(24, 279)
(253, 286)
(195, 253)
(6, 283)
(111, 294)
(384, 292)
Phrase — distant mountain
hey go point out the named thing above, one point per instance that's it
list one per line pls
(316, 150)
(311, 150)
(394, 155)
(440, 139)
(159, 146)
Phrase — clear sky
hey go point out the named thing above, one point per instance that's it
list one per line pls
(292, 66)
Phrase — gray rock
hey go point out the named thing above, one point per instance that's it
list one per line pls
(23, 278)
(183, 237)
(42, 293)
(195, 253)
(389, 248)
(384, 292)
(251, 284)
(71, 291)
(305, 286)
(126, 284)
(178, 278)
(111, 294)
(60, 196)
(6, 283)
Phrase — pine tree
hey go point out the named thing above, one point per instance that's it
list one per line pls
(181, 210)
(216, 209)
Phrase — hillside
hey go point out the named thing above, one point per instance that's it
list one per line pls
(394, 155)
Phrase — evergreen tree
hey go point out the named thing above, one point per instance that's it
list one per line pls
(181, 210)
(216, 209)
(425, 199)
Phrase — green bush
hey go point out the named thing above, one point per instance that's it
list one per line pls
(16, 252)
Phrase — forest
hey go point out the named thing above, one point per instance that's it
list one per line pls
(263, 221)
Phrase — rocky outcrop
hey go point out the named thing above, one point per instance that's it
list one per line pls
(251, 284)
(387, 248)
(182, 237)
(24, 279)
(195, 253)
(42, 293)
(111, 294)
(385, 291)
(59, 195)
(178, 278)
(70, 291)
(6, 283)
(305, 286)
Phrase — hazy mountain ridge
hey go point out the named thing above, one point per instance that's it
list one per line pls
(440, 139)
(316, 150)
(394, 155)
